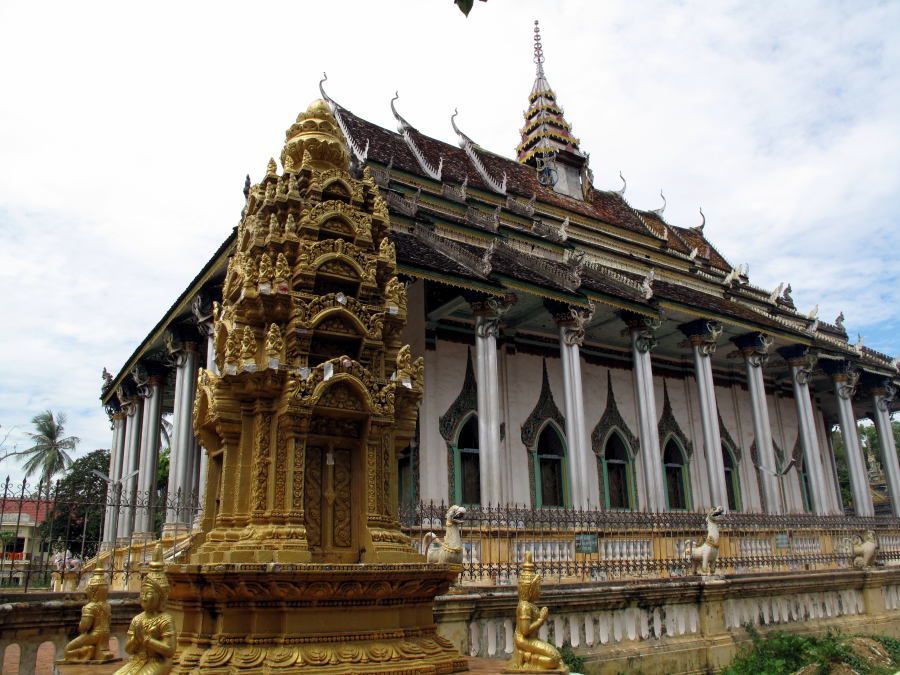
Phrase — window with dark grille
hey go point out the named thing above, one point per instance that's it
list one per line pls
(618, 468)
(673, 463)
(469, 470)
(551, 457)
(732, 486)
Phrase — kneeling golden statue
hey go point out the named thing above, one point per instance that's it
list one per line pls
(151, 635)
(530, 654)
(92, 643)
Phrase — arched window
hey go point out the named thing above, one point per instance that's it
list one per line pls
(550, 467)
(732, 480)
(468, 472)
(618, 473)
(675, 469)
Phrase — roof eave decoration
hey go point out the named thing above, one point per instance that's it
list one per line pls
(470, 148)
(360, 153)
(404, 128)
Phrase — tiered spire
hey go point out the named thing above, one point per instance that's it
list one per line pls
(546, 135)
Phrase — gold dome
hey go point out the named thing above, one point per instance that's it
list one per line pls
(316, 139)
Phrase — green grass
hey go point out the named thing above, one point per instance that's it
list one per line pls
(780, 653)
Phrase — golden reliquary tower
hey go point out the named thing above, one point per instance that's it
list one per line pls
(302, 565)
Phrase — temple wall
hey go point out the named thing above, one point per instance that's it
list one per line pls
(520, 375)
(676, 627)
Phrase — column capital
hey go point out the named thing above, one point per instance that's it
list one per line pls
(844, 375)
(572, 321)
(702, 333)
(884, 395)
(801, 358)
(488, 312)
(642, 329)
(754, 347)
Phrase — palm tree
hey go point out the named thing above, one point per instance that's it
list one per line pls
(50, 452)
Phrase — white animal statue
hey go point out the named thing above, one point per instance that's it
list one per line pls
(703, 555)
(450, 547)
(66, 561)
(865, 550)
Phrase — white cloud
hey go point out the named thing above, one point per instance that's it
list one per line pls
(126, 133)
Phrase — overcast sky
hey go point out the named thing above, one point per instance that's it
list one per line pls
(126, 131)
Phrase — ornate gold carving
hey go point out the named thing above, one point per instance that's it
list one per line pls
(324, 213)
(312, 496)
(151, 635)
(266, 270)
(281, 451)
(248, 344)
(341, 396)
(338, 268)
(282, 273)
(531, 654)
(342, 499)
(290, 226)
(387, 251)
(261, 459)
(92, 643)
(395, 294)
(274, 342)
(335, 427)
(248, 269)
(314, 141)
(293, 449)
(275, 229)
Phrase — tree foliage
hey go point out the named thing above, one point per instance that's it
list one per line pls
(50, 453)
(868, 439)
(78, 506)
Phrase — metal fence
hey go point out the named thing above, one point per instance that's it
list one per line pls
(593, 545)
(50, 538)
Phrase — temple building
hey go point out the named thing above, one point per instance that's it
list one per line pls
(579, 352)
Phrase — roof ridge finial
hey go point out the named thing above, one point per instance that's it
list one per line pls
(538, 50)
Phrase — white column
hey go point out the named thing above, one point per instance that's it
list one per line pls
(181, 452)
(143, 524)
(642, 343)
(755, 347)
(134, 414)
(844, 388)
(883, 397)
(115, 462)
(582, 479)
(185, 446)
(487, 327)
(800, 372)
(703, 335)
(172, 484)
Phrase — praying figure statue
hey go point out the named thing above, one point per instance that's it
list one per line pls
(531, 654)
(151, 635)
(92, 643)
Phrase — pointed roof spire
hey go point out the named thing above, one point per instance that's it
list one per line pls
(546, 134)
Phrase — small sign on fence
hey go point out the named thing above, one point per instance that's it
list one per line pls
(781, 540)
(586, 543)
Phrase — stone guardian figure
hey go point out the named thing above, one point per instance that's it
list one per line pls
(531, 654)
